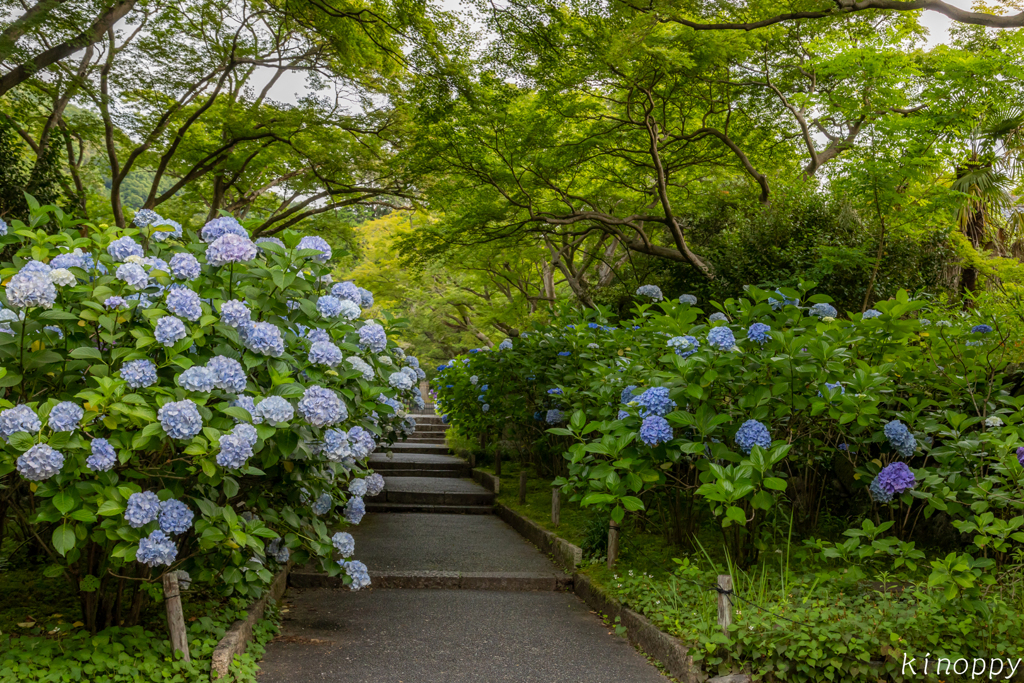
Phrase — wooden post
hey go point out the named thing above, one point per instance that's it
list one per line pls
(724, 603)
(556, 505)
(175, 617)
(613, 543)
(522, 487)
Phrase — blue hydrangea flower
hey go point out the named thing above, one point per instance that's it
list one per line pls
(40, 462)
(220, 226)
(833, 387)
(248, 404)
(120, 249)
(145, 217)
(627, 394)
(184, 266)
(318, 243)
(234, 451)
(344, 543)
(230, 248)
(60, 333)
(782, 301)
(870, 313)
(33, 267)
(348, 310)
(823, 311)
(554, 416)
(554, 392)
(1020, 455)
(374, 484)
(373, 337)
(655, 430)
(235, 313)
(752, 433)
(321, 407)
(365, 298)
(156, 549)
(655, 401)
(115, 303)
(153, 263)
(346, 291)
(900, 438)
(180, 419)
(185, 303)
(269, 240)
(175, 517)
(362, 442)
(400, 381)
(3, 227)
(358, 572)
(357, 487)
(981, 329)
(718, 317)
(622, 415)
(722, 338)
(324, 353)
(505, 345)
(485, 407)
(103, 457)
(688, 299)
(893, 480)
(651, 291)
(139, 374)
(336, 445)
(31, 290)
(263, 338)
(758, 332)
(170, 330)
(142, 508)
(247, 433)
(161, 235)
(133, 275)
(275, 410)
(328, 306)
(196, 378)
(323, 504)
(354, 510)
(684, 346)
(228, 374)
(65, 417)
(73, 259)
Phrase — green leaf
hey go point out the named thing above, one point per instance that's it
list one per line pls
(632, 503)
(736, 515)
(109, 508)
(21, 441)
(85, 353)
(775, 483)
(63, 539)
(65, 501)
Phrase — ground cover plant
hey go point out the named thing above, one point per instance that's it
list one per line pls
(182, 401)
(876, 447)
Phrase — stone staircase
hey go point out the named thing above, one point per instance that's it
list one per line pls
(421, 475)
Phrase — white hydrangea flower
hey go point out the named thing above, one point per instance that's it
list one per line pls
(62, 277)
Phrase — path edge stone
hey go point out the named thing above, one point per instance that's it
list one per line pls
(666, 649)
(487, 480)
(237, 637)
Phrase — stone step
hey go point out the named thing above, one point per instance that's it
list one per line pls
(490, 581)
(431, 509)
(419, 447)
(423, 461)
(433, 491)
(448, 472)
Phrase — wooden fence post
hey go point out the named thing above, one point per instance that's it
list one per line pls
(613, 543)
(556, 505)
(175, 616)
(522, 486)
(724, 603)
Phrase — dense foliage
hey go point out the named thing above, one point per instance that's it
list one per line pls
(175, 401)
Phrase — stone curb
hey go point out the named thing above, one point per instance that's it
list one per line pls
(487, 480)
(667, 649)
(493, 581)
(567, 555)
(237, 638)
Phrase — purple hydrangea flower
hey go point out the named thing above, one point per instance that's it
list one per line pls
(196, 378)
(318, 243)
(139, 374)
(115, 303)
(655, 430)
(230, 248)
(235, 313)
(180, 419)
(321, 407)
(1020, 455)
(228, 374)
(170, 330)
(263, 338)
(40, 462)
(354, 510)
(175, 517)
(184, 266)
(103, 457)
(120, 249)
(373, 337)
(65, 417)
(185, 303)
(893, 480)
(156, 549)
(142, 508)
(752, 433)
(275, 410)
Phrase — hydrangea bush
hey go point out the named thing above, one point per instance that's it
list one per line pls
(164, 407)
(780, 408)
